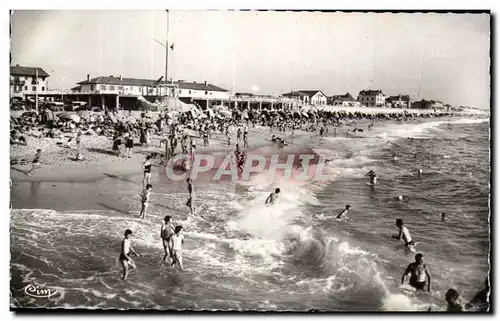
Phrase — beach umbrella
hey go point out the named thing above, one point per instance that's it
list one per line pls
(226, 113)
(83, 113)
(68, 116)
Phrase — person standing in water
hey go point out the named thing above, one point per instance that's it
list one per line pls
(404, 234)
(144, 200)
(189, 202)
(126, 248)
(147, 171)
(481, 299)
(176, 242)
(419, 272)
(273, 197)
(166, 232)
(443, 217)
(343, 214)
(419, 173)
(373, 177)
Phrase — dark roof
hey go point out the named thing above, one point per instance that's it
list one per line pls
(243, 94)
(398, 97)
(148, 82)
(308, 93)
(346, 97)
(27, 71)
(370, 92)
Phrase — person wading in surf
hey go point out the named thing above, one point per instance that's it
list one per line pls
(273, 197)
(373, 177)
(189, 202)
(343, 214)
(419, 272)
(166, 232)
(404, 234)
(125, 260)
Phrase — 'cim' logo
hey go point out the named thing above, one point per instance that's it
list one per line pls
(38, 292)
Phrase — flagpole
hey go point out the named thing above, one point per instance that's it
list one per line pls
(36, 91)
(166, 56)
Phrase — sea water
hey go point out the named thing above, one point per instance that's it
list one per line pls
(294, 256)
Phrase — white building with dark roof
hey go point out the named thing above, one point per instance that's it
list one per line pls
(147, 87)
(27, 81)
(308, 97)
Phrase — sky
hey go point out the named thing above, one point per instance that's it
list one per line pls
(427, 56)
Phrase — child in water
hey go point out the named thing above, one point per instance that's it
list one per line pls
(176, 242)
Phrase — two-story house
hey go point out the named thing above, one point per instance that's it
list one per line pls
(27, 81)
(399, 101)
(308, 97)
(372, 98)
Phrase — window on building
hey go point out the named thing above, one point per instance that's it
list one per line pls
(43, 88)
(25, 87)
(180, 91)
(206, 92)
(33, 88)
(120, 87)
(103, 87)
(190, 92)
(111, 87)
(16, 80)
(92, 87)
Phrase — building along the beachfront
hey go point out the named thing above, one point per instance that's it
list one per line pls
(399, 101)
(371, 98)
(26, 81)
(308, 97)
(109, 91)
(343, 101)
(428, 104)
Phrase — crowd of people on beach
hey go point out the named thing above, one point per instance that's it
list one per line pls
(171, 128)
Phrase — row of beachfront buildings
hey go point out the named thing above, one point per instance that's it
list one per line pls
(30, 81)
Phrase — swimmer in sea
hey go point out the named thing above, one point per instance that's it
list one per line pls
(419, 272)
(443, 217)
(481, 299)
(144, 200)
(176, 242)
(273, 197)
(166, 232)
(419, 172)
(343, 214)
(125, 260)
(395, 159)
(404, 234)
(452, 297)
(373, 177)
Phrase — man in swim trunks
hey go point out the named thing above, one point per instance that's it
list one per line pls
(125, 260)
(166, 232)
(189, 202)
(343, 214)
(147, 171)
(273, 197)
(404, 234)
(419, 272)
(144, 200)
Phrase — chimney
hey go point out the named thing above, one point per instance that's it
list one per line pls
(205, 83)
(88, 77)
